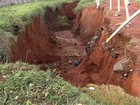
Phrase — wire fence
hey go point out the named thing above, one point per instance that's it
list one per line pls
(13, 2)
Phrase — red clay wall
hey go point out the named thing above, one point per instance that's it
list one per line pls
(34, 45)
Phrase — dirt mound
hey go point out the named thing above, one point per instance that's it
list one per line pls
(35, 45)
(88, 22)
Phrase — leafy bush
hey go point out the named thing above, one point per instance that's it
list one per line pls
(26, 84)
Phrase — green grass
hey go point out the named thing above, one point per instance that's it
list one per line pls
(85, 3)
(63, 21)
(25, 84)
(23, 14)
(137, 0)
(111, 95)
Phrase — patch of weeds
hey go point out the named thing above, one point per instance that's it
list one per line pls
(74, 53)
(54, 39)
(110, 95)
(62, 21)
(137, 0)
(130, 44)
(85, 3)
(6, 39)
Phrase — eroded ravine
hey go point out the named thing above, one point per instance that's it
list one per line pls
(41, 44)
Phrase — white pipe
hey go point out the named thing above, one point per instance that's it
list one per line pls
(98, 3)
(118, 5)
(126, 2)
(120, 27)
(110, 4)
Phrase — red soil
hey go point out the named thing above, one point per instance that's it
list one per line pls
(132, 31)
(34, 45)
(98, 67)
(67, 10)
(87, 23)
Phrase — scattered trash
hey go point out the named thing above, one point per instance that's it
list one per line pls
(70, 62)
(116, 14)
(87, 49)
(91, 88)
(112, 49)
(115, 55)
(76, 62)
(125, 75)
(131, 70)
(79, 104)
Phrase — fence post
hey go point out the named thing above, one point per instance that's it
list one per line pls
(126, 3)
(118, 5)
(110, 4)
(98, 3)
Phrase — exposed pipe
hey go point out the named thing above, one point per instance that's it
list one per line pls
(120, 27)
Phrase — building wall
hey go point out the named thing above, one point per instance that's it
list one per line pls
(9, 2)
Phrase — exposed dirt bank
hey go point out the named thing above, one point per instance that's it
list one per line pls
(87, 23)
(67, 10)
(98, 66)
(34, 45)
(132, 31)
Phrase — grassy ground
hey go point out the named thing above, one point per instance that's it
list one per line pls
(23, 14)
(137, 0)
(111, 95)
(25, 84)
(85, 3)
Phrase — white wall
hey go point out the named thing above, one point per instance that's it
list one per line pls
(8, 2)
